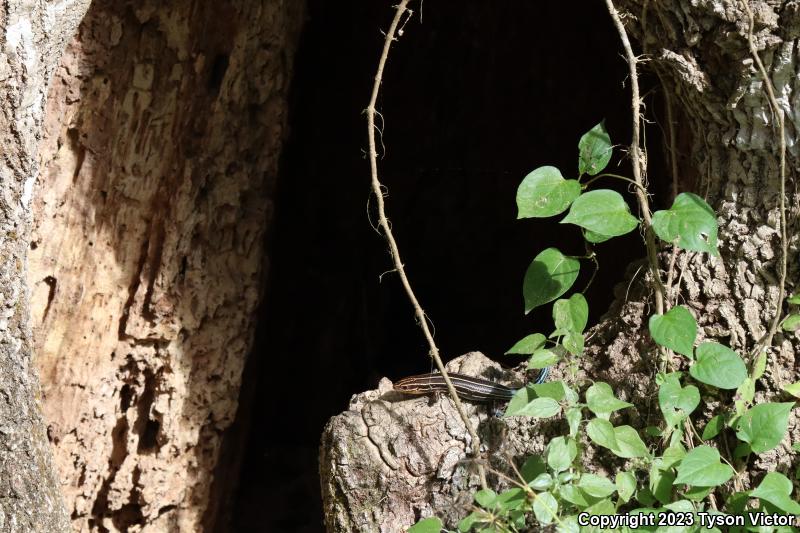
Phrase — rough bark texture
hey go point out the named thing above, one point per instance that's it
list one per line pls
(391, 458)
(32, 38)
(164, 129)
(727, 153)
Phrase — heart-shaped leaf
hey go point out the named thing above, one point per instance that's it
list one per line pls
(702, 468)
(527, 403)
(594, 150)
(626, 485)
(764, 425)
(560, 453)
(602, 433)
(571, 314)
(603, 211)
(718, 366)
(597, 486)
(601, 400)
(776, 489)
(629, 444)
(543, 359)
(528, 345)
(690, 220)
(676, 329)
(549, 275)
(544, 193)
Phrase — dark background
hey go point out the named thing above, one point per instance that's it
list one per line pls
(476, 95)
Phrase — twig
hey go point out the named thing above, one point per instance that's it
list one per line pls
(400, 10)
(638, 161)
(671, 273)
(773, 102)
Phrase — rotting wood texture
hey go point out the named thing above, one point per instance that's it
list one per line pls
(163, 133)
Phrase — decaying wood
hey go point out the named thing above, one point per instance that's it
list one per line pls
(391, 458)
(164, 128)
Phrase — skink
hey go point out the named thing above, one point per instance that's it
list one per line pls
(467, 387)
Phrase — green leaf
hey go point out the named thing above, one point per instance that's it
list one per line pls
(629, 444)
(690, 220)
(601, 400)
(427, 525)
(601, 432)
(594, 150)
(676, 402)
(719, 366)
(510, 499)
(793, 389)
(714, 426)
(574, 417)
(573, 342)
(791, 323)
(528, 345)
(544, 193)
(550, 275)
(596, 486)
(571, 314)
(776, 489)
(676, 330)
(701, 467)
(542, 482)
(575, 496)
(760, 365)
(545, 508)
(568, 524)
(595, 238)
(764, 425)
(486, 498)
(560, 453)
(469, 521)
(626, 485)
(672, 455)
(550, 389)
(602, 211)
(527, 403)
(532, 467)
(603, 507)
(542, 359)
(661, 480)
(745, 393)
(697, 494)
(794, 299)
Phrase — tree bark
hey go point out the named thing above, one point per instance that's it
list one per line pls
(164, 129)
(33, 35)
(373, 480)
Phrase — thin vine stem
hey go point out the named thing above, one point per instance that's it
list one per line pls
(767, 339)
(377, 189)
(616, 176)
(637, 160)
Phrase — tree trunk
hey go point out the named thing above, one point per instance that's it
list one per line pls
(374, 480)
(163, 134)
(33, 37)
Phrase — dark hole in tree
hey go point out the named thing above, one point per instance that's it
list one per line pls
(472, 101)
(217, 73)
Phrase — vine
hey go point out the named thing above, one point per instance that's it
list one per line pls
(378, 190)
